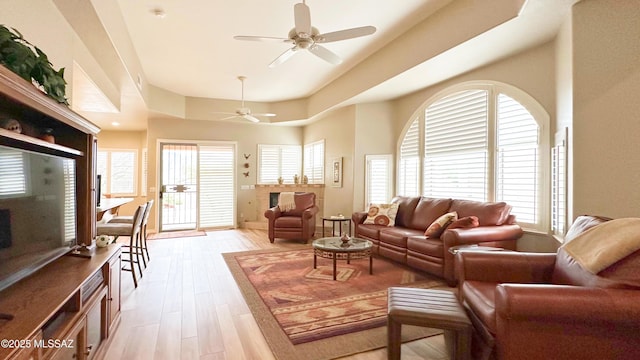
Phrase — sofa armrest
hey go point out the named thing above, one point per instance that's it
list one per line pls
(577, 305)
(566, 322)
(504, 266)
(358, 217)
(477, 235)
(273, 213)
(310, 212)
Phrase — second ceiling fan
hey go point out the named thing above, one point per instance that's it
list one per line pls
(306, 37)
(244, 112)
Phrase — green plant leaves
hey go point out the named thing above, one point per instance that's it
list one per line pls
(31, 64)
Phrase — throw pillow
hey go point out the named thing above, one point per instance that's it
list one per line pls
(382, 214)
(440, 224)
(465, 223)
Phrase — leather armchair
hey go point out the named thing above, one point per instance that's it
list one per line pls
(298, 223)
(546, 306)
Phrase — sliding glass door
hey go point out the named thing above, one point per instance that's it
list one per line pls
(197, 189)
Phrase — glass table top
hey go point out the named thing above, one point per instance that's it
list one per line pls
(336, 244)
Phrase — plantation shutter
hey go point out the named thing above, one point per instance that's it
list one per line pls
(455, 164)
(69, 178)
(269, 160)
(517, 162)
(409, 164)
(291, 162)
(314, 162)
(558, 186)
(217, 205)
(12, 167)
(122, 174)
(144, 172)
(278, 160)
(378, 179)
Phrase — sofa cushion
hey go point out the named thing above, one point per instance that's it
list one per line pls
(567, 271)
(480, 298)
(426, 246)
(466, 222)
(427, 211)
(288, 222)
(440, 224)
(488, 213)
(370, 231)
(382, 214)
(397, 236)
(406, 207)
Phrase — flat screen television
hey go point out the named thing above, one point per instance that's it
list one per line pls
(37, 211)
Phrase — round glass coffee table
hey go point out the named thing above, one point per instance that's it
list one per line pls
(334, 248)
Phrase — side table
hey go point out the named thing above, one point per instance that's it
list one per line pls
(335, 220)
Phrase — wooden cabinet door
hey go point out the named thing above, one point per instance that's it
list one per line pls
(96, 327)
(77, 351)
(114, 291)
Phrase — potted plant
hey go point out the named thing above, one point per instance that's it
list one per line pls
(31, 64)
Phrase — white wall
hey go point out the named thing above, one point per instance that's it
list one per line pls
(606, 127)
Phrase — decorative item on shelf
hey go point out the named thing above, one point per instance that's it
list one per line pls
(47, 135)
(345, 240)
(103, 240)
(296, 179)
(305, 179)
(31, 64)
(280, 180)
(11, 125)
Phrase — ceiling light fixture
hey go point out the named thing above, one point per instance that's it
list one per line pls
(158, 12)
(115, 123)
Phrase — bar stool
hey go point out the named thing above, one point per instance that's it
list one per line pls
(145, 219)
(133, 232)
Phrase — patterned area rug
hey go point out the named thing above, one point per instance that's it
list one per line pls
(304, 313)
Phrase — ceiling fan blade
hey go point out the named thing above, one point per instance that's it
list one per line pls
(345, 34)
(251, 118)
(264, 114)
(283, 57)
(261, 38)
(228, 117)
(302, 17)
(325, 54)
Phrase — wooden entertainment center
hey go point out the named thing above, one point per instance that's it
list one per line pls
(70, 307)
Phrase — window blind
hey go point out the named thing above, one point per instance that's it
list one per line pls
(69, 177)
(314, 162)
(278, 160)
(517, 161)
(12, 166)
(558, 187)
(378, 179)
(409, 163)
(216, 186)
(456, 146)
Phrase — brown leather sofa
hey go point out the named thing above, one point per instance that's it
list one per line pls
(298, 223)
(546, 306)
(406, 243)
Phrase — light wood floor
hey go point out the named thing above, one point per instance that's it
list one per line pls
(188, 306)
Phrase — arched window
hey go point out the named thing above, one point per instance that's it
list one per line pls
(484, 142)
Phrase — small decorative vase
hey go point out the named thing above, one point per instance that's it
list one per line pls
(280, 180)
(305, 179)
(296, 179)
(103, 240)
(47, 135)
(345, 240)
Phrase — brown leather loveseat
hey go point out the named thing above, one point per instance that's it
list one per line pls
(406, 243)
(547, 306)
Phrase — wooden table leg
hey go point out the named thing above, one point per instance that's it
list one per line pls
(315, 259)
(370, 265)
(334, 266)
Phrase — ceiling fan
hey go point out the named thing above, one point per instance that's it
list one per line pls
(306, 37)
(242, 111)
